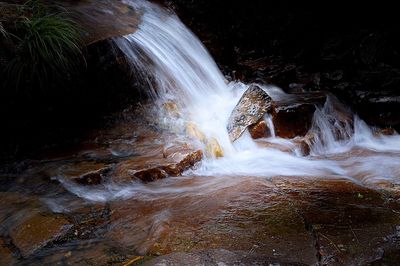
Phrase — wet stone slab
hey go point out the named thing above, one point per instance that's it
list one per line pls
(351, 224)
(38, 230)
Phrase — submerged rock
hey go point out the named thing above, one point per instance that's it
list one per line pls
(213, 149)
(85, 173)
(254, 103)
(147, 169)
(217, 257)
(193, 132)
(6, 255)
(37, 231)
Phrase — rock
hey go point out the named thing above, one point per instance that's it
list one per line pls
(37, 231)
(259, 130)
(194, 132)
(85, 173)
(254, 103)
(214, 149)
(292, 116)
(171, 109)
(387, 131)
(293, 120)
(147, 169)
(6, 256)
(102, 20)
(217, 257)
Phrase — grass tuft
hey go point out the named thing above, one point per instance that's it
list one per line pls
(45, 46)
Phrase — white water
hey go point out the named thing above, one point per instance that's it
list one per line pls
(178, 68)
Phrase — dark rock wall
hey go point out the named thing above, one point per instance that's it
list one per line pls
(69, 108)
(352, 51)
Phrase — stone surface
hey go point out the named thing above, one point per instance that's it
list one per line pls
(217, 257)
(352, 225)
(259, 130)
(292, 115)
(213, 149)
(100, 20)
(252, 106)
(6, 255)
(293, 120)
(38, 230)
(153, 168)
(85, 172)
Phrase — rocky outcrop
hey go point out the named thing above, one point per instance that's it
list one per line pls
(100, 20)
(253, 105)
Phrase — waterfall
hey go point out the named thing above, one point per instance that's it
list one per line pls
(177, 68)
(181, 71)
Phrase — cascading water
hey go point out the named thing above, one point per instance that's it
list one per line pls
(182, 69)
(185, 73)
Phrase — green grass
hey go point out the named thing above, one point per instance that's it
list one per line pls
(46, 46)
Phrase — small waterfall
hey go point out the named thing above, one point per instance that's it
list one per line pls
(177, 68)
(332, 128)
(270, 124)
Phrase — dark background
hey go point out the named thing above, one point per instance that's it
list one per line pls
(347, 48)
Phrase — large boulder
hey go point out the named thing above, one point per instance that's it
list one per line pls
(253, 105)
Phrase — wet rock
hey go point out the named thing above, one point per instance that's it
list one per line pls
(259, 130)
(193, 131)
(349, 222)
(254, 103)
(6, 255)
(171, 109)
(217, 257)
(102, 20)
(387, 131)
(293, 120)
(149, 169)
(86, 172)
(213, 149)
(293, 116)
(37, 231)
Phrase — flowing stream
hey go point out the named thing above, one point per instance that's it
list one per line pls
(262, 196)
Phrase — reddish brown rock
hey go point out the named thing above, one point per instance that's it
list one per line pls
(6, 256)
(387, 131)
(293, 120)
(38, 230)
(147, 169)
(259, 130)
(292, 115)
(85, 173)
